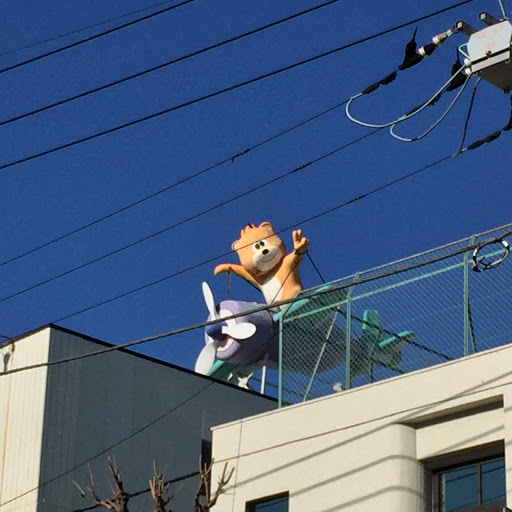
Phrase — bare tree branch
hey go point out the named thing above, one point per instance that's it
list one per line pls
(157, 486)
(120, 498)
(203, 500)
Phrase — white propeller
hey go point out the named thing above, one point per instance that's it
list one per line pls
(206, 358)
(240, 331)
(210, 301)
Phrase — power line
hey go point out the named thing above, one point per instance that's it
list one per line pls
(145, 491)
(289, 301)
(104, 22)
(308, 294)
(96, 36)
(386, 331)
(128, 437)
(141, 341)
(226, 89)
(188, 219)
(167, 63)
(231, 158)
(211, 260)
(116, 444)
(112, 446)
(317, 270)
(136, 432)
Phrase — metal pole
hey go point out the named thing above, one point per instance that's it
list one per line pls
(348, 377)
(322, 350)
(466, 298)
(263, 377)
(280, 365)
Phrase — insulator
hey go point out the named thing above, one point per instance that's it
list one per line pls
(442, 37)
(427, 50)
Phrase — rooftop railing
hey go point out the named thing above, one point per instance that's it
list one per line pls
(404, 316)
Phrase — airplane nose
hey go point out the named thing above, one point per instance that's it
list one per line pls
(265, 251)
(215, 331)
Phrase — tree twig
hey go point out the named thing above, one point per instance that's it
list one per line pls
(120, 498)
(157, 486)
(203, 499)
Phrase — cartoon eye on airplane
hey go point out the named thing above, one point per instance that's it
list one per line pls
(237, 348)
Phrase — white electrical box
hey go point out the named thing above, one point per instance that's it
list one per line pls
(489, 52)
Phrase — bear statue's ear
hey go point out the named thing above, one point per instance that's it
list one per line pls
(234, 245)
(267, 226)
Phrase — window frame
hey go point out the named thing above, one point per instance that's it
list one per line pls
(485, 507)
(250, 506)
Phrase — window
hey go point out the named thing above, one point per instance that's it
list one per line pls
(271, 504)
(475, 487)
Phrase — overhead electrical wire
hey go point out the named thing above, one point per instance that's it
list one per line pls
(143, 199)
(119, 347)
(164, 189)
(95, 36)
(212, 381)
(436, 123)
(82, 29)
(112, 446)
(307, 294)
(167, 482)
(179, 272)
(214, 258)
(104, 451)
(351, 201)
(227, 89)
(468, 116)
(213, 208)
(405, 117)
(131, 436)
(360, 197)
(175, 225)
(168, 63)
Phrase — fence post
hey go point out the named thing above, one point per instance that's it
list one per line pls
(348, 376)
(466, 298)
(280, 366)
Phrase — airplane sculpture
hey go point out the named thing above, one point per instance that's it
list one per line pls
(237, 348)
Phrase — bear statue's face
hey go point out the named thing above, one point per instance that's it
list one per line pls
(259, 249)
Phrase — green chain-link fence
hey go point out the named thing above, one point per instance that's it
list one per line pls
(404, 316)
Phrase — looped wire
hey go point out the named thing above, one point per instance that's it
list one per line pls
(493, 264)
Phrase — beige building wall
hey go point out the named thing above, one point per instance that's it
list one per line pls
(372, 448)
(22, 402)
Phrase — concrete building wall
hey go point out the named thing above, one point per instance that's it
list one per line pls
(120, 405)
(372, 448)
(22, 400)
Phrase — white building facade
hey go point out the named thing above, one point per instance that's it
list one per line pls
(437, 440)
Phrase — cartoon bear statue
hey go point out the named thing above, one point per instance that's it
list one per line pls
(265, 264)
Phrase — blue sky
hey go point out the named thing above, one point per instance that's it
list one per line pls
(49, 196)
